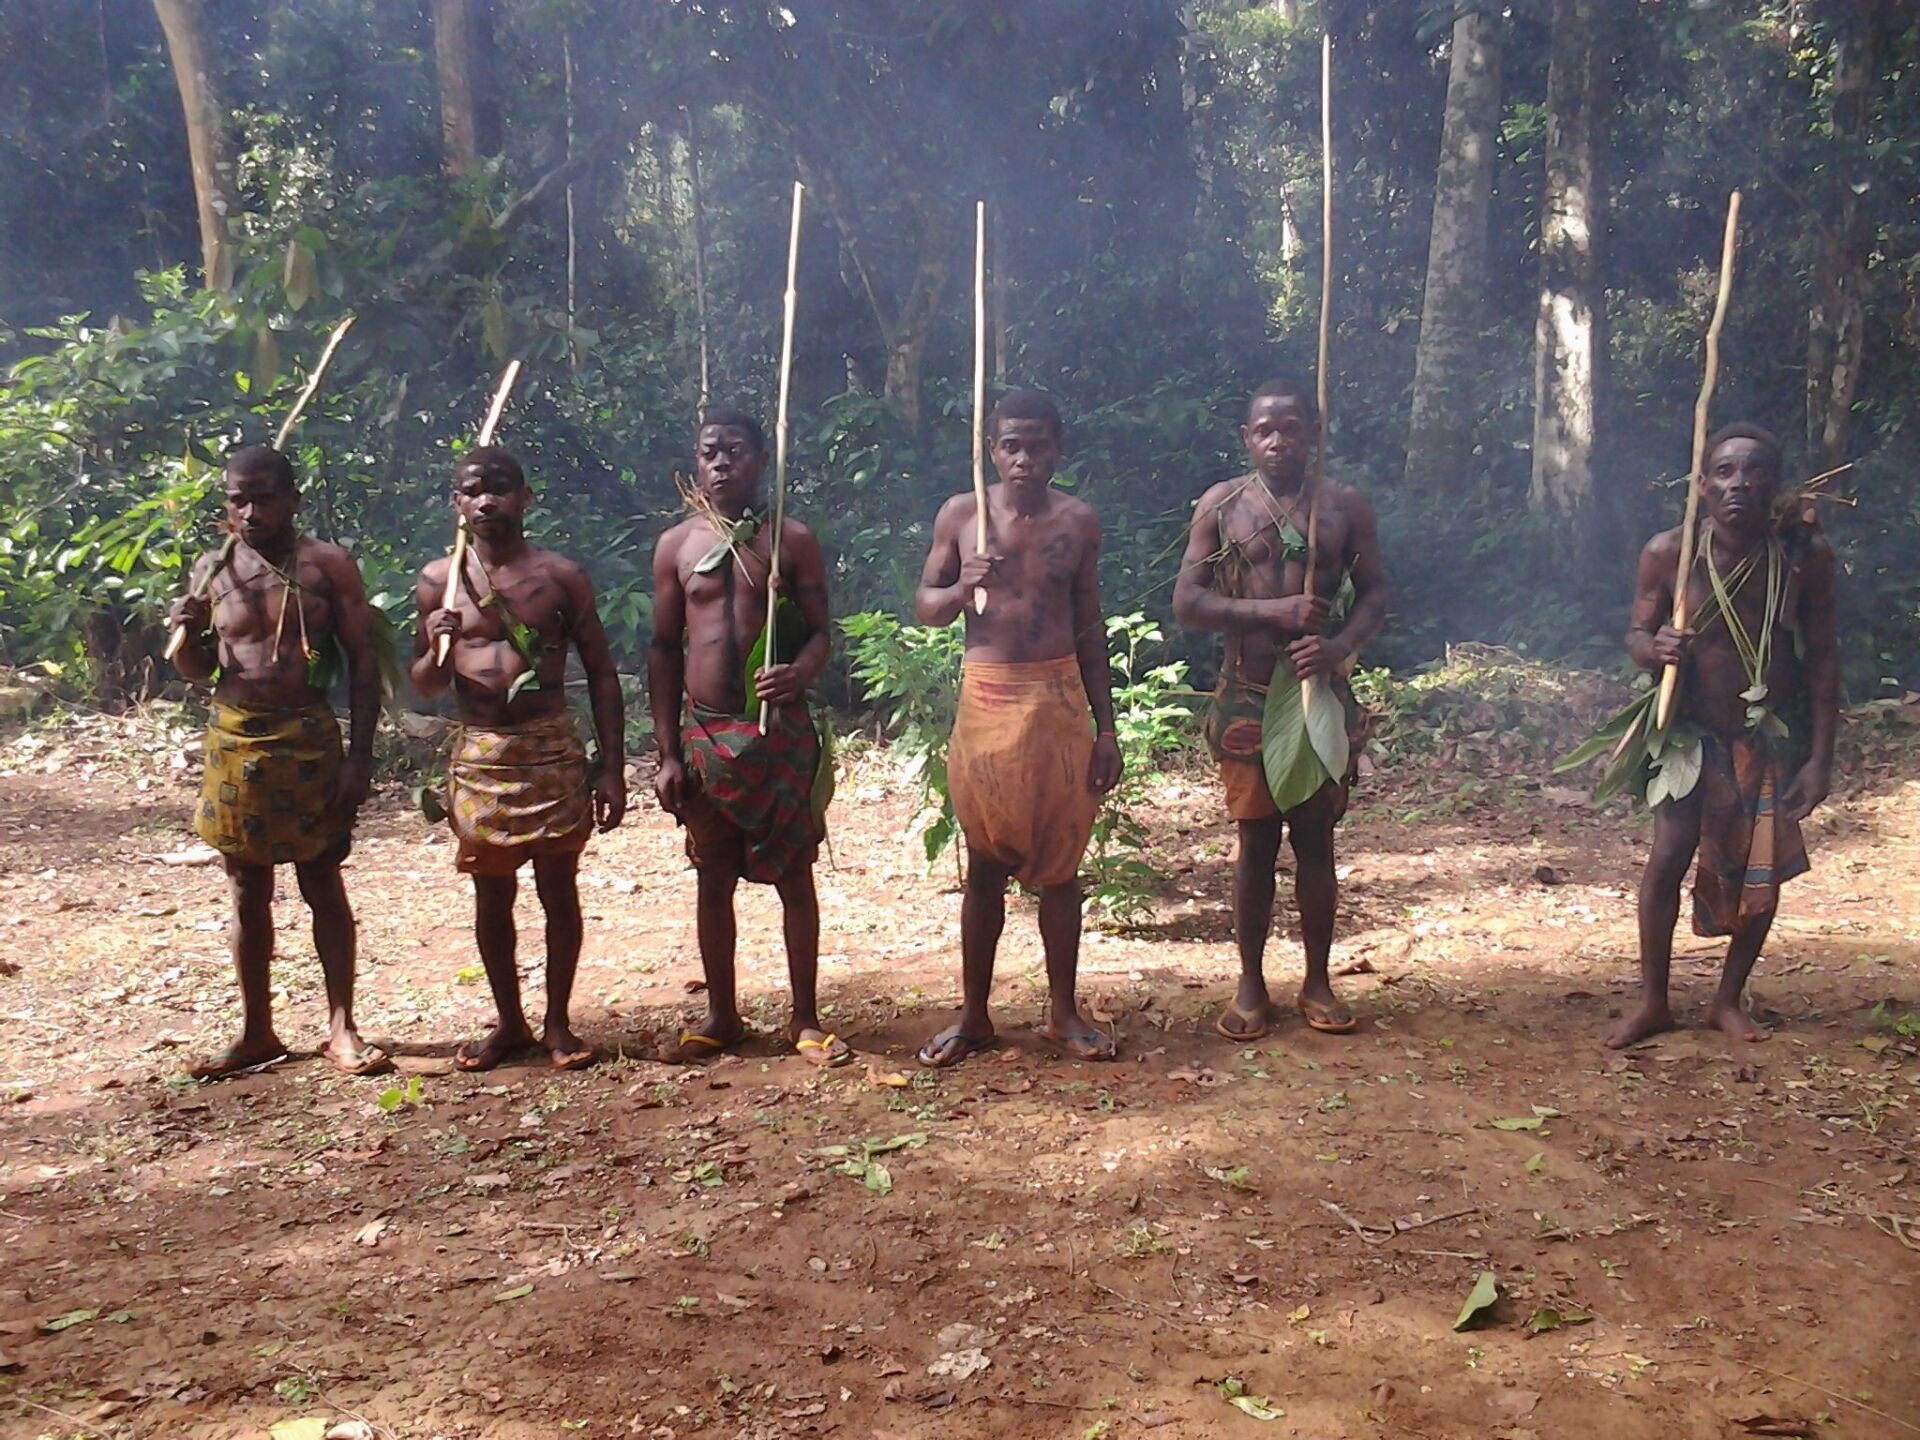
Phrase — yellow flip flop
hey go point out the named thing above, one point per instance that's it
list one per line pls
(828, 1059)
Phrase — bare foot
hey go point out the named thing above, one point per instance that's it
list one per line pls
(1732, 1021)
(505, 1042)
(566, 1049)
(243, 1056)
(1078, 1037)
(1646, 1021)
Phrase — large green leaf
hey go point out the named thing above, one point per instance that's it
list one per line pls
(823, 776)
(1604, 739)
(1294, 772)
(1326, 720)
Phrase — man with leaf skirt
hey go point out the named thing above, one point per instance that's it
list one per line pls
(752, 797)
(1748, 751)
(1287, 750)
(269, 614)
(518, 787)
(1033, 746)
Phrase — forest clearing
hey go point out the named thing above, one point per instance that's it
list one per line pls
(1026, 1246)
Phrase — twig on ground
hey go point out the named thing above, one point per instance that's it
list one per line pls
(1906, 1425)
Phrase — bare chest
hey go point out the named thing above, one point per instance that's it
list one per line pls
(1264, 542)
(255, 603)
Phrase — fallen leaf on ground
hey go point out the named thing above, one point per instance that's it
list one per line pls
(958, 1365)
(307, 1427)
(351, 1430)
(1519, 1122)
(1234, 1392)
(370, 1234)
(518, 1292)
(1479, 1300)
(891, 1079)
(1547, 1318)
(67, 1321)
(1777, 1425)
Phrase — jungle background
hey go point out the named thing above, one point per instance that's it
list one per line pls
(1529, 201)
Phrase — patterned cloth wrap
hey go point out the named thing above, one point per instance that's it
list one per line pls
(1018, 764)
(1748, 850)
(516, 792)
(1234, 727)
(753, 809)
(268, 794)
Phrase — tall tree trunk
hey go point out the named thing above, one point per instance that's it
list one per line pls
(1440, 432)
(209, 153)
(1570, 341)
(1836, 321)
(463, 64)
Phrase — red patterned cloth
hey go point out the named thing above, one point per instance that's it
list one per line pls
(753, 809)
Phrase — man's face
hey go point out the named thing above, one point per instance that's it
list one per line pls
(491, 499)
(1739, 485)
(260, 507)
(729, 465)
(1279, 436)
(1025, 453)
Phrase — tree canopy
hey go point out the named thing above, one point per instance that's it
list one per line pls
(201, 189)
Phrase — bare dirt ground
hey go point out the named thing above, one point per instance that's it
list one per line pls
(1064, 1249)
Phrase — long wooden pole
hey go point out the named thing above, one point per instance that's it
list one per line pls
(1670, 676)
(459, 563)
(178, 637)
(780, 438)
(1319, 477)
(979, 393)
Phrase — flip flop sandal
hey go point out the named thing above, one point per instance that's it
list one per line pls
(948, 1050)
(574, 1059)
(827, 1057)
(373, 1061)
(715, 1046)
(1241, 1037)
(1322, 1018)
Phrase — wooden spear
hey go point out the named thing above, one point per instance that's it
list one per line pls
(1670, 676)
(1319, 476)
(780, 441)
(494, 411)
(179, 636)
(979, 393)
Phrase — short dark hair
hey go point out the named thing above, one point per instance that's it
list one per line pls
(1746, 430)
(492, 457)
(728, 417)
(1026, 405)
(1287, 387)
(251, 458)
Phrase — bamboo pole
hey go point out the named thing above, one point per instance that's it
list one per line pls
(1670, 676)
(1319, 476)
(178, 638)
(979, 393)
(780, 440)
(459, 564)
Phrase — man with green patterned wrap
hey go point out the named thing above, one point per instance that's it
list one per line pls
(743, 792)
(1245, 575)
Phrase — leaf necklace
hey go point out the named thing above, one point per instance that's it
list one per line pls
(290, 587)
(1756, 653)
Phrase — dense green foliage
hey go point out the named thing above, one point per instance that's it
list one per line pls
(1142, 158)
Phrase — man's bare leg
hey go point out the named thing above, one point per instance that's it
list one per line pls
(714, 922)
(494, 932)
(1253, 884)
(1676, 833)
(1728, 1012)
(800, 921)
(1060, 912)
(336, 940)
(556, 878)
(250, 937)
(983, 915)
(1316, 891)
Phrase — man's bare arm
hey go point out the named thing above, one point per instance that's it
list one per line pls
(353, 625)
(941, 597)
(1090, 628)
(596, 658)
(196, 660)
(1652, 602)
(429, 677)
(666, 655)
